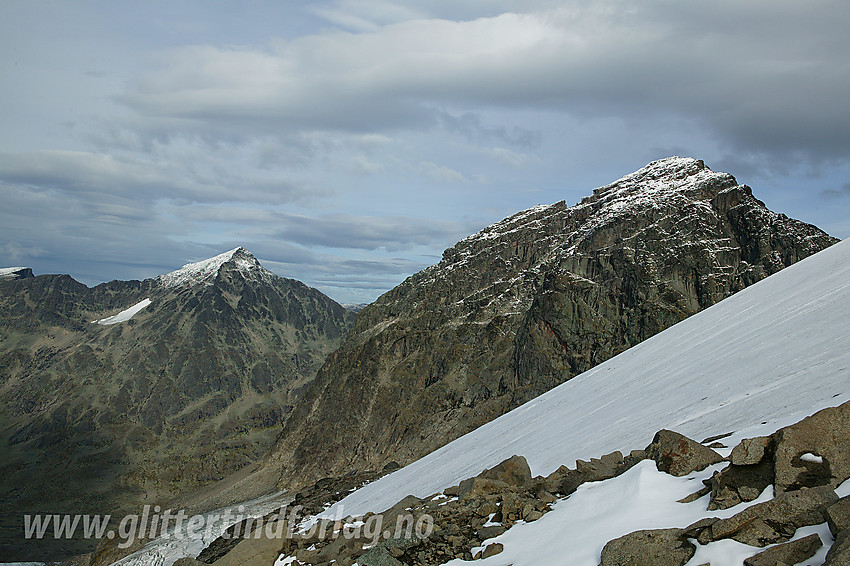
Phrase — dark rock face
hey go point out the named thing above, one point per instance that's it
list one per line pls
(192, 388)
(528, 303)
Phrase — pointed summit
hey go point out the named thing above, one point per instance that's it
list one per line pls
(205, 271)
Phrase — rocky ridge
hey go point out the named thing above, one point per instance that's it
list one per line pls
(155, 401)
(528, 303)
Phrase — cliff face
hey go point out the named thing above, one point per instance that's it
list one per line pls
(528, 303)
(97, 417)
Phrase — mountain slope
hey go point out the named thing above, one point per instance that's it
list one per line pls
(528, 303)
(184, 379)
(757, 361)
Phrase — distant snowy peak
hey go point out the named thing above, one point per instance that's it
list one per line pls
(15, 272)
(204, 272)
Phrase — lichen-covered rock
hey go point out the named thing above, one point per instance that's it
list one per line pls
(379, 556)
(661, 547)
(492, 550)
(513, 471)
(778, 519)
(838, 516)
(752, 451)
(789, 553)
(738, 483)
(678, 455)
(814, 451)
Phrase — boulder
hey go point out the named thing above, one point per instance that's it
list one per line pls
(789, 553)
(492, 550)
(737, 483)
(474, 487)
(696, 529)
(661, 547)
(379, 556)
(776, 520)
(814, 451)
(838, 516)
(598, 469)
(492, 531)
(678, 455)
(752, 451)
(513, 471)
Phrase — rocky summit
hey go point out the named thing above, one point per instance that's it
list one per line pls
(136, 391)
(528, 303)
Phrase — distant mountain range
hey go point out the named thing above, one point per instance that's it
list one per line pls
(136, 391)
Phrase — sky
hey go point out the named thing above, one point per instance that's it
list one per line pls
(347, 143)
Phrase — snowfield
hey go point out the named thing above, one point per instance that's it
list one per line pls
(124, 315)
(764, 358)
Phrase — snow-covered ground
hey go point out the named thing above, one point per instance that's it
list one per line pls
(759, 360)
(124, 315)
(577, 528)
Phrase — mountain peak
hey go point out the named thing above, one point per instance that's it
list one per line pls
(684, 176)
(205, 271)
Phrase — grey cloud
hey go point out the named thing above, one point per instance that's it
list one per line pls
(340, 231)
(768, 76)
(184, 175)
(843, 191)
(471, 126)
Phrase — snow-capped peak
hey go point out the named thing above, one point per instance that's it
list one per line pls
(205, 271)
(659, 179)
(15, 272)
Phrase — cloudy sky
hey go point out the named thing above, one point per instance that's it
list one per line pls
(346, 143)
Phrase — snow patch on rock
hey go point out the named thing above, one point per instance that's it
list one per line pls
(124, 315)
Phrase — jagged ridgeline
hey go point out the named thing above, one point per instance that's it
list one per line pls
(186, 378)
(528, 303)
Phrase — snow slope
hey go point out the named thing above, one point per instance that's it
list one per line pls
(780, 347)
(124, 315)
